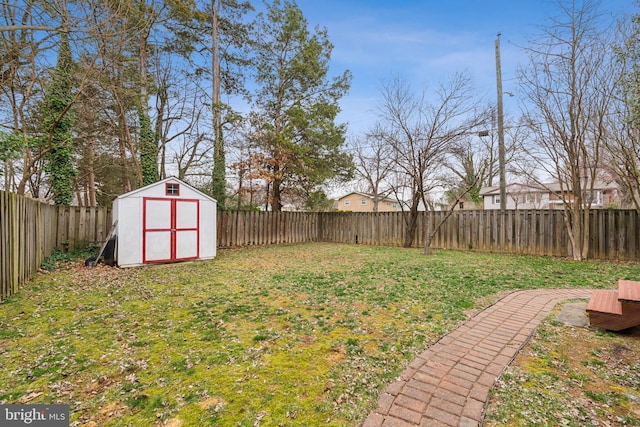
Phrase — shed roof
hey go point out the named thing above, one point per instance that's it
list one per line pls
(163, 181)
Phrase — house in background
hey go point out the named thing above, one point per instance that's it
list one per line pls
(605, 194)
(519, 196)
(462, 205)
(548, 196)
(363, 202)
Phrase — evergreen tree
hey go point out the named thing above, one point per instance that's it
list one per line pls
(297, 104)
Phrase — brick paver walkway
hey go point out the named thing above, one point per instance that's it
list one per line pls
(448, 384)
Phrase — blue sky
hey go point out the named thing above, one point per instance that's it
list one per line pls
(425, 41)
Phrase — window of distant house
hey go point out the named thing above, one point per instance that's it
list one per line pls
(496, 200)
(346, 202)
(461, 205)
(595, 198)
(363, 201)
(172, 189)
(532, 198)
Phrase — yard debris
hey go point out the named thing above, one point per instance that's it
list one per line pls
(29, 397)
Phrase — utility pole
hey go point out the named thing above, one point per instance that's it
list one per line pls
(501, 151)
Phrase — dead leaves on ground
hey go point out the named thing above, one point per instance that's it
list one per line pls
(571, 376)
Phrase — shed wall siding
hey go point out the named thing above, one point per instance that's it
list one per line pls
(130, 231)
(207, 229)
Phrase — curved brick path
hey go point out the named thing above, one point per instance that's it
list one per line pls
(448, 384)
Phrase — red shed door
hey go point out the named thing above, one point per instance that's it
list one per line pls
(171, 230)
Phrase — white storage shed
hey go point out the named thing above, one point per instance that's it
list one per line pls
(167, 221)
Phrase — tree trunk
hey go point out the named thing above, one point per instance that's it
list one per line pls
(147, 142)
(412, 226)
(240, 184)
(276, 200)
(429, 233)
(124, 142)
(91, 179)
(122, 150)
(585, 234)
(266, 197)
(572, 221)
(412, 221)
(218, 174)
(81, 200)
(158, 135)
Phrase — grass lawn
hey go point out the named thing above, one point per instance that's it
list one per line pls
(303, 335)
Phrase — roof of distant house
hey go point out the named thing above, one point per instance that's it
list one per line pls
(369, 196)
(597, 185)
(553, 187)
(513, 188)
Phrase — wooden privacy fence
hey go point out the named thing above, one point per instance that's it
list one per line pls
(24, 241)
(249, 228)
(30, 229)
(614, 234)
(78, 226)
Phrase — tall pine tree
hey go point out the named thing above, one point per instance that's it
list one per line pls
(297, 105)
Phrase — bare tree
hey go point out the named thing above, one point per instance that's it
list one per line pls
(421, 132)
(474, 158)
(20, 86)
(623, 158)
(623, 144)
(373, 159)
(471, 163)
(182, 134)
(567, 89)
